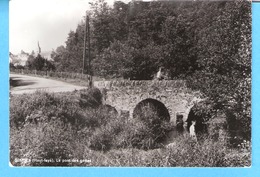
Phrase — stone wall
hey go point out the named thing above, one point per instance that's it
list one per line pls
(125, 95)
(111, 85)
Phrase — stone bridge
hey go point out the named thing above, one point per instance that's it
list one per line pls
(172, 96)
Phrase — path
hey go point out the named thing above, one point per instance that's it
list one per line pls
(29, 84)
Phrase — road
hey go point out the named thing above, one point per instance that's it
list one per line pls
(28, 84)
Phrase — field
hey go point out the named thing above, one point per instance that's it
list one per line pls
(75, 129)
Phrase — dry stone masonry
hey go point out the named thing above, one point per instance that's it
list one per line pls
(124, 96)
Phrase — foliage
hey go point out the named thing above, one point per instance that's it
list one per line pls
(224, 59)
(151, 128)
(127, 61)
(11, 66)
(41, 144)
(90, 98)
(46, 128)
(184, 154)
(42, 107)
(38, 63)
(105, 137)
(112, 131)
(132, 40)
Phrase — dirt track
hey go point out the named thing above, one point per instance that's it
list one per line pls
(28, 84)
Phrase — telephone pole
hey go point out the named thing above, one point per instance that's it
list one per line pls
(87, 39)
(89, 56)
(84, 48)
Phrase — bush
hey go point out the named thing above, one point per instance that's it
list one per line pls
(105, 135)
(47, 127)
(101, 139)
(110, 131)
(90, 98)
(205, 154)
(184, 153)
(149, 129)
(42, 106)
(41, 145)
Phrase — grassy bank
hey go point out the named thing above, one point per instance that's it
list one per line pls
(74, 129)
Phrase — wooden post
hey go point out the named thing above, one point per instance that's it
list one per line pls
(84, 49)
(89, 56)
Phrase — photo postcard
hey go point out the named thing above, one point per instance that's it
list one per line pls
(104, 83)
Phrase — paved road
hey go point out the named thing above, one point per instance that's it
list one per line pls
(29, 84)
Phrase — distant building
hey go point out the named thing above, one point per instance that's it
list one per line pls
(21, 58)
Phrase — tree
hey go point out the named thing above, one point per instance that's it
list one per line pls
(224, 57)
(58, 57)
(39, 63)
(208, 43)
(30, 62)
(101, 20)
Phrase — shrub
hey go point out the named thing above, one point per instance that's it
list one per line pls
(24, 105)
(149, 129)
(239, 156)
(185, 153)
(53, 127)
(90, 98)
(42, 145)
(206, 154)
(105, 135)
(101, 139)
(42, 106)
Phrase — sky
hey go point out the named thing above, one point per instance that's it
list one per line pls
(46, 21)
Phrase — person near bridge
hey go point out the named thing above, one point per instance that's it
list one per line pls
(192, 131)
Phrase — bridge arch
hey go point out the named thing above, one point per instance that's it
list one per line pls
(200, 126)
(110, 109)
(154, 105)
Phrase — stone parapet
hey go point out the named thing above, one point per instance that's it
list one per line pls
(110, 85)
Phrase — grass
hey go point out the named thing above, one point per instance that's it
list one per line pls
(74, 129)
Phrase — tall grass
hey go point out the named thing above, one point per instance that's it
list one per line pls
(75, 129)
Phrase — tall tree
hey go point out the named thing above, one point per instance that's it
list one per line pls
(101, 20)
(224, 57)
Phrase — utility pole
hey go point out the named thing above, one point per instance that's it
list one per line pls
(89, 56)
(84, 48)
(87, 39)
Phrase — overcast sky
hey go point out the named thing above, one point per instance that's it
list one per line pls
(46, 21)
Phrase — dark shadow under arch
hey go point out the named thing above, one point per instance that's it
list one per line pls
(152, 105)
(200, 127)
(151, 118)
(110, 109)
